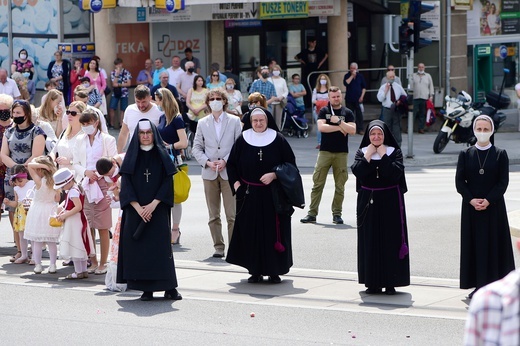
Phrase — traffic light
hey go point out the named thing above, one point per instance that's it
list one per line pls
(405, 38)
(414, 15)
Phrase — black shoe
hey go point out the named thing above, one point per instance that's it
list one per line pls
(308, 219)
(147, 296)
(372, 290)
(337, 220)
(172, 295)
(390, 291)
(253, 279)
(275, 279)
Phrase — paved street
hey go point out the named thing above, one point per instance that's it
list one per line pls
(318, 302)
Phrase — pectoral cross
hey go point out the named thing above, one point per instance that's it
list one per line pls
(260, 154)
(147, 174)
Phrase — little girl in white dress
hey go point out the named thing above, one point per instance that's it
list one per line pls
(44, 204)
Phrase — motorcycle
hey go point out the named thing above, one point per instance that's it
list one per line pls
(460, 112)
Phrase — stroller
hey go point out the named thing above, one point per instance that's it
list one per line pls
(293, 120)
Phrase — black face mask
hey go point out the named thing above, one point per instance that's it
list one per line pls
(5, 115)
(191, 69)
(18, 120)
(265, 75)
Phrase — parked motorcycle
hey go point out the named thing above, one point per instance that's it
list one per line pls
(460, 113)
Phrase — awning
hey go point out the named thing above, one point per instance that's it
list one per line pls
(373, 6)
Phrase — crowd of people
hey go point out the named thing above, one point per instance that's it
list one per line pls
(60, 163)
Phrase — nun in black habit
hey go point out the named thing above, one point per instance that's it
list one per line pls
(481, 179)
(261, 240)
(383, 259)
(145, 259)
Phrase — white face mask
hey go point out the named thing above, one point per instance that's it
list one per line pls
(89, 129)
(229, 86)
(323, 81)
(420, 72)
(216, 105)
(23, 56)
(483, 137)
(276, 73)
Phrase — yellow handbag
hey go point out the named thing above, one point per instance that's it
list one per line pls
(54, 222)
(181, 184)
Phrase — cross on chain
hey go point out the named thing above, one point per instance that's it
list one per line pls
(147, 174)
(260, 154)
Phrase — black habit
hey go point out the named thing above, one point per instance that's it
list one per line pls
(486, 249)
(383, 259)
(252, 245)
(146, 263)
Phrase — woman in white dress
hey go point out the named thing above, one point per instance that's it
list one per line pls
(280, 85)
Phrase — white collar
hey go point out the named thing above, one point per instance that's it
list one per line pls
(479, 147)
(375, 156)
(146, 147)
(259, 139)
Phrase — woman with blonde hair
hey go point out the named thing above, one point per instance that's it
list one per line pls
(320, 98)
(51, 111)
(63, 149)
(172, 130)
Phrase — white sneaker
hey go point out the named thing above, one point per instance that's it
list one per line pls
(38, 269)
(52, 269)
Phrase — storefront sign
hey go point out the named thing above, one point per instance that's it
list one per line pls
(483, 50)
(503, 52)
(235, 11)
(133, 46)
(229, 24)
(141, 14)
(95, 6)
(288, 9)
(322, 8)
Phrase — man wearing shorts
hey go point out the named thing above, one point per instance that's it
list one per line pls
(121, 80)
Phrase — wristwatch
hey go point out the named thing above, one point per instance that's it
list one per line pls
(339, 122)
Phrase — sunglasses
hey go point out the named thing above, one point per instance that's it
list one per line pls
(159, 94)
(214, 75)
(73, 113)
(216, 99)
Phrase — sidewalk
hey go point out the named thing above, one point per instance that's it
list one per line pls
(216, 280)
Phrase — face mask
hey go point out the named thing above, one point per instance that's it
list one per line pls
(391, 81)
(216, 105)
(89, 129)
(5, 115)
(19, 120)
(323, 82)
(265, 75)
(86, 85)
(483, 137)
(276, 73)
(191, 69)
(420, 72)
(23, 56)
(229, 86)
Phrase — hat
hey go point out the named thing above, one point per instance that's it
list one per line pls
(19, 175)
(62, 177)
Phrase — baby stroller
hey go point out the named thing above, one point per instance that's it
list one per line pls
(293, 119)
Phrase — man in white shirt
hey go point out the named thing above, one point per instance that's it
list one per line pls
(175, 71)
(143, 108)
(186, 80)
(8, 86)
(389, 95)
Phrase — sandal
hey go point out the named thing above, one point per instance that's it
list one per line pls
(92, 270)
(15, 256)
(101, 271)
(178, 240)
(67, 263)
(75, 276)
(21, 260)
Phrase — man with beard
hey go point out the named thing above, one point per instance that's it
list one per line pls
(143, 108)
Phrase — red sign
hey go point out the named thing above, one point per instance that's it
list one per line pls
(133, 46)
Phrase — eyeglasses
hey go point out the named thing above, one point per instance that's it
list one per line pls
(158, 93)
(145, 133)
(214, 75)
(73, 113)
(215, 99)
